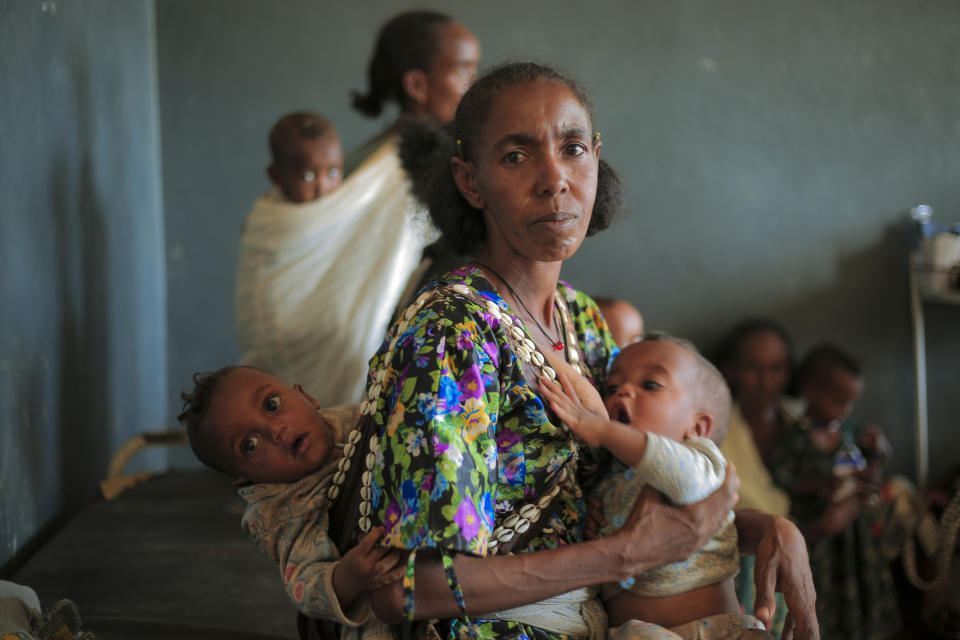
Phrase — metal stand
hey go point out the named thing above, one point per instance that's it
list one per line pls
(917, 297)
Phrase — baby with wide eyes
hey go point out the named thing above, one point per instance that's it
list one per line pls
(283, 450)
(307, 157)
(667, 409)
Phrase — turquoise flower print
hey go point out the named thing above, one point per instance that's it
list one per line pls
(414, 440)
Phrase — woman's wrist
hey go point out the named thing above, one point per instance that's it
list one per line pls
(752, 527)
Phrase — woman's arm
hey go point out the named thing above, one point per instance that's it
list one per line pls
(656, 534)
(782, 565)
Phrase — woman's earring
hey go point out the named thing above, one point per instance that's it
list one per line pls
(460, 149)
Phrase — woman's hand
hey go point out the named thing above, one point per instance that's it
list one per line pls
(365, 567)
(781, 565)
(658, 533)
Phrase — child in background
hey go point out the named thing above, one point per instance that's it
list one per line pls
(624, 319)
(283, 451)
(307, 157)
(825, 462)
(668, 407)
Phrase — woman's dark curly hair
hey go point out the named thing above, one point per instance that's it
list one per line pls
(426, 152)
(408, 41)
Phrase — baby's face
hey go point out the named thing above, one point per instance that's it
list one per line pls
(262, 430)
(625, 322)
(313, 169)
(649, 388)
(830, 401)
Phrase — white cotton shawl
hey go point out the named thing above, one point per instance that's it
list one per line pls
(318, 282)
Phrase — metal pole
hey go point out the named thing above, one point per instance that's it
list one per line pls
(921, 437)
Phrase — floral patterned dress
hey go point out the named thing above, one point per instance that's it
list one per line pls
(466, 442)
(855, 592)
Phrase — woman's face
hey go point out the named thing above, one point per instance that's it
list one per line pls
(535, 172)
(451, 72)
(760, 372)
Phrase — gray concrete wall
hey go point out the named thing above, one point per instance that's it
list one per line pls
(82, 290)
(770, 151)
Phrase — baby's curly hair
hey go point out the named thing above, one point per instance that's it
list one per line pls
(195, 406)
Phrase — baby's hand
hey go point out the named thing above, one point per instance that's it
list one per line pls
(577, 385)
(565, 403)
(365, 568)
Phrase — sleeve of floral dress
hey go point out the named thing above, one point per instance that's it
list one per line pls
(438, 412)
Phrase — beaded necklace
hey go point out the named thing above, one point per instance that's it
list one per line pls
(556, 344)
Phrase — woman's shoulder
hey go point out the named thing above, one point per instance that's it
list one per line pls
(358, 155)
(462, 288)
(583, 309)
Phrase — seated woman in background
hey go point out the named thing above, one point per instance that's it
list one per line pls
(470, 475)
(318, 282)
(828, 459)
(756, 360)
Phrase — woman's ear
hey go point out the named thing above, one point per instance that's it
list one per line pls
(466, 182)
(310, 398)
(415, 85)
(702, 426)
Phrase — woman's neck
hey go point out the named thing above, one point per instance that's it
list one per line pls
(533, 283)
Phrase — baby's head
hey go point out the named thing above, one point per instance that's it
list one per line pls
(624, 319)
(307, 156)
(662, 384)
(830, 383)
(249, 424)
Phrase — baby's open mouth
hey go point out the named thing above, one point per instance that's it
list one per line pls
(298, 443)
(621, 415)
